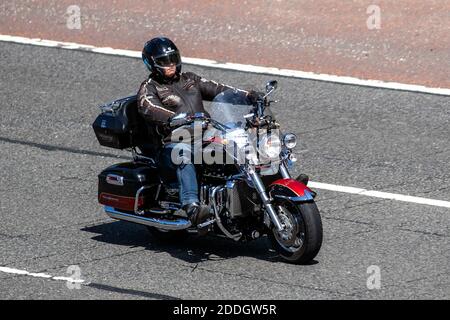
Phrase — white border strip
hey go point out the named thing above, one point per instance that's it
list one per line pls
(235, 66)
(378, 194)
(38, 275)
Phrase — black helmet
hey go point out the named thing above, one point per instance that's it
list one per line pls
(159, 53)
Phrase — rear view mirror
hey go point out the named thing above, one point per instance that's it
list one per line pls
(271, 86)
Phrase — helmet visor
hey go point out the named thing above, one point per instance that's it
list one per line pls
(168, 60)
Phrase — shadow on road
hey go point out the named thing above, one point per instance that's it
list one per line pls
(194, 249)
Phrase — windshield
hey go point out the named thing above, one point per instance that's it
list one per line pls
(230, 107)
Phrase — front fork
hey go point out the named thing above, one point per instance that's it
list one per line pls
(284, 171)
(261, 189)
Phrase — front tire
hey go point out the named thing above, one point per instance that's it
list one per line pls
(300, 242)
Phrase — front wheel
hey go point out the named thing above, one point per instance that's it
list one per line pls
(301, 239)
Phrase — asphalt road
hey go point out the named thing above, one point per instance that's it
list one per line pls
(362, 137)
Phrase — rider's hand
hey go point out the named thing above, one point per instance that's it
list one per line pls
(253, 96)
(179, 120)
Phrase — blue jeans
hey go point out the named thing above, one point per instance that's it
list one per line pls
(186, 174)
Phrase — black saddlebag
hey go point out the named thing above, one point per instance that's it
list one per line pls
(120, 125)
(118, 185)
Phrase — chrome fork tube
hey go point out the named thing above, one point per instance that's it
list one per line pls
(265, 198)
(284, 171)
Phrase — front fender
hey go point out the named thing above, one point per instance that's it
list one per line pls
(291, 189)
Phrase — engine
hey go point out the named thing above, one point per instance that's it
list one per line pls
(235, 199)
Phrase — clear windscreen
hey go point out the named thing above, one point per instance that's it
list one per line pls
(230, 107)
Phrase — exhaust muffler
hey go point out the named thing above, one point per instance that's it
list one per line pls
(178, 224)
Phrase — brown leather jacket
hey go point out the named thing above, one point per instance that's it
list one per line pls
(158, 101)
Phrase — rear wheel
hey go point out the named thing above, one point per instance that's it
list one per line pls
(301, 239)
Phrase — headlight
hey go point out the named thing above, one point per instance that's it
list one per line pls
(290, 140)
(270, 146)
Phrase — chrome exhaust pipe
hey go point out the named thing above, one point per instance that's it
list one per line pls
(178, 224)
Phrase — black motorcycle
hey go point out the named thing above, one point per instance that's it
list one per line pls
(243, 176)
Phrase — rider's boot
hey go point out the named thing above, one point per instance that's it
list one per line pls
(196, 213)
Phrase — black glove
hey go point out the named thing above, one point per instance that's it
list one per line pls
(253, 96)
(179, 120)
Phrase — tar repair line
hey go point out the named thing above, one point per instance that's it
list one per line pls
(274, 71)
(234, 66)
(39, 275)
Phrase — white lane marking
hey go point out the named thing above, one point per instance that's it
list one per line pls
(379, 194)
(235, 66)
(39, 275)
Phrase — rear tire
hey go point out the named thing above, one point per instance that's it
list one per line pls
(303, 240)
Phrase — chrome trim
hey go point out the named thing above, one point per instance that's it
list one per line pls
(139, 157)
(212, 200)
(179, 224)
(285, 137)
(255, 234)
(205, 224)
(169, 205)
(204, 194)
(230, 184)
(158, 211)
(157, 192)
(220, 199)
(284, 171)
(259, 185)
(114, 179)
(136, 200)
(148, 159)
(306, 197)
(232, 198)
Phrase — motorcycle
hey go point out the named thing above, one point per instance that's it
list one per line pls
(243, 176)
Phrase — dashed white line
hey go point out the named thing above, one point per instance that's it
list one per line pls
(39, 275)
(234, 66)
(379, 194)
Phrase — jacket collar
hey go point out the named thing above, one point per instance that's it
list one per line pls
(162, 80)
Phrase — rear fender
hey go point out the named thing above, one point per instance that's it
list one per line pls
(291, 189)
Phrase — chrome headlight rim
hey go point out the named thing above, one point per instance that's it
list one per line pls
(290, 140)
(270, 146)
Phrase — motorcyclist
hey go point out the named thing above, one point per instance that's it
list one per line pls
(166, 93)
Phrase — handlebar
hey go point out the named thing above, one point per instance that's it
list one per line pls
(185, 119)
